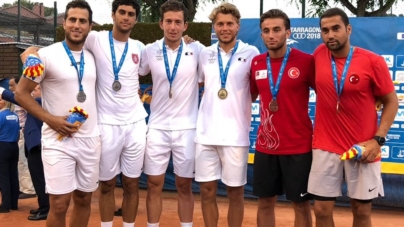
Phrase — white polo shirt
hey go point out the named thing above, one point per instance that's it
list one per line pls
(123, 106)
(179, 112)
(60, 86)
(225, 122)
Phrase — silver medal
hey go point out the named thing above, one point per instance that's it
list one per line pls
(116, 86)
(81, 96)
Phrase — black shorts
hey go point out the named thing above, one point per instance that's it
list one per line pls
(282, 174)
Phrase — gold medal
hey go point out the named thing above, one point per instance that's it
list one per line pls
(222, 93)
(273, 105)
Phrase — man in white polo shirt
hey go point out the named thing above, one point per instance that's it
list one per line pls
(121, 114)
(174, 108)
(71, 164)
(222, 132)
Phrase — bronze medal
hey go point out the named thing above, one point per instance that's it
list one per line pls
(222, 93)
(273, 105)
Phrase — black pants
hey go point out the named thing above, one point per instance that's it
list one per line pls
(35, 167)
(10, 188)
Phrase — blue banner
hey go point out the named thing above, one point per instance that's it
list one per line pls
(387, 40)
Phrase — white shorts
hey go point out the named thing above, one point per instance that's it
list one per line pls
(71, 164)
(364, 181)
(159, 146)
(221, 162)
(122, 150)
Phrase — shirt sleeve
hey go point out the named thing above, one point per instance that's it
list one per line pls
(39, 77)
(312, 73)
(255, 53)
(201, 76)
(144, 67)
(200, 46)
(318, 49)
(91, 40)
(382, 82)
(253, 82)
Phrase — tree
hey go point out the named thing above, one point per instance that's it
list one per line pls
(5, 5)
(26, 3)
(30, 5)
(49, 11)
(150, 8)
(360, 8)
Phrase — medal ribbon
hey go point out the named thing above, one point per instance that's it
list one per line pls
(223, 75)
(80, 73)
(171, 76)
(116, 68)
(343, 75)
(275, 88)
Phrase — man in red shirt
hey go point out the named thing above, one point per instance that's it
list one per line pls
(348, 80)
(282, 77)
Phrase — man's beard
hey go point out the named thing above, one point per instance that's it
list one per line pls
(76, 42)
(336, 47)
(227, 42)
(276, 48)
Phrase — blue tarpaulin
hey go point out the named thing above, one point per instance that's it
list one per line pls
(388, 41)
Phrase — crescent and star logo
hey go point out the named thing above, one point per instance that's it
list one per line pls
(354, 79)
(294, 73)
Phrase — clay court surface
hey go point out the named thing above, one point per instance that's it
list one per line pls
(169, 218)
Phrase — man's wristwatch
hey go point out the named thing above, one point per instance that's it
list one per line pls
(380, 140)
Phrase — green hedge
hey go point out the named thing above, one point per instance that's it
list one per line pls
(150, 32)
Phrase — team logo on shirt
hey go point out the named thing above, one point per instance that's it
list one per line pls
(242, 59)
(294, 73)
(189, 53)
(354, 79)
(159, 55)
(135, 58)
(212, 57)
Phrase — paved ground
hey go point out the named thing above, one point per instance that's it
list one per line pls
(284, 214)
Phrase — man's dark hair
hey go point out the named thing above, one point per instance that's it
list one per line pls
(16, 79)
(276, 13)
(335, 12)
(173, 5)
(82, 5)
(133, 3)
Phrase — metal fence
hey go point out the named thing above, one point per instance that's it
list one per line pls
(31, 24)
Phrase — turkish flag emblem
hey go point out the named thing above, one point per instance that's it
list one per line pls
(354, 79)
(135, 58)
(294, 73)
